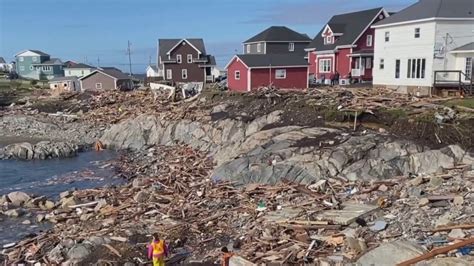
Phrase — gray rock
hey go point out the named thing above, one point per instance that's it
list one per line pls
(14, 213)
(79, 252)
(141, 196)
(56, 255)
(18, 198)
(456, 234)
(3, 199)
(389, 254)
(41, 150)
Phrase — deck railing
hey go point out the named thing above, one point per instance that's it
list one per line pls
(453, 78)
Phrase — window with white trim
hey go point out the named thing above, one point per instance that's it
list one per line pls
(387, 36)
(98, 86)
(169, 74)
(179, 59)
(369, 40)
(416, 68)
(324, 65)
(417, 33)
(291, 47)
(34, 58)
(190, 58)
(259, 47)
(468, 70)
(31, 68)
(47, 68)
(328, 40)
(381, 63)
(248, 48)
(280, 74)
(21, 59)
(184, 73)
(397, 68)
(237, 75)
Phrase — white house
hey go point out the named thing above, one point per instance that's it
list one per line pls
(152, 71)
(78, 70)
(3, 65)
(428, 36)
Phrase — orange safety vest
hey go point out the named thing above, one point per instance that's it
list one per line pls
(158, 248)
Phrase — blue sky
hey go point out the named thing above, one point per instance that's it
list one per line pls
(84, 30)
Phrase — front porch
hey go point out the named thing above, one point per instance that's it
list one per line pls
(361, 67)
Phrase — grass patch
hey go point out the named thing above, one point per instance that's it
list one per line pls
(467, 102)
(394, 114)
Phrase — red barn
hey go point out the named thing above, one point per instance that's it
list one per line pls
(250, 71)
(346, 45)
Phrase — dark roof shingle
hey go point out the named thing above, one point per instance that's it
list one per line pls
(466, 47)
(350, 25)
(278, 34)
(424, 9)
(274, 60)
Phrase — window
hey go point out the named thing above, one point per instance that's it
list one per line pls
(34, 58)
(31, 68)
(397, 68)
(259, 47)
(169, 74)
(65, 84)
(387, 36)
(417, 32)
(179, 59)
(189, 58)
(98, 86)
(22, 68)
(468, 71)
(416, 68)
(184, 73)
(237, 75)
(248, 48)
(280, 74)
(291, 47)
(369, 40)
(382, 63)
(324, 65)
(328, 40)
(47, 68)
(368, 63)
(21, 59)
(55, 85)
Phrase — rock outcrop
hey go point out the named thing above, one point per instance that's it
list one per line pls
(41, 150)
(246, 153)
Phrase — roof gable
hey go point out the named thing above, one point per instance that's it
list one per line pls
(430, 9)
(2, 61)
(279, 34)
(349, 27)
(31, 53)
(165, 46)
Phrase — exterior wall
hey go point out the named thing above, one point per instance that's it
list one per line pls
(242, 83)
(78, 72)
(460, 33)
(296, 78)
(460, 63)
(275, 47)
(312, 63)
(403, 46)
(124, 84)
(343, 62)
(59, 87)
(152, 73)
(326, 75)
(89, 83)
(195, 73)
(23, 68)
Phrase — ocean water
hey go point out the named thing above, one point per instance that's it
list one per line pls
(49, 178)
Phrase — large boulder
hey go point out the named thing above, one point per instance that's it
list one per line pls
(18, 198)
(79, 252)
(41, 150)
(392, 253)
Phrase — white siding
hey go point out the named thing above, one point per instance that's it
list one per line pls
(459, 33)
(77, 72)
(403, 46)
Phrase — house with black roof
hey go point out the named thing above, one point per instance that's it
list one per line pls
(427, 45)
(345, 45)
(276, 40)
(184, 60)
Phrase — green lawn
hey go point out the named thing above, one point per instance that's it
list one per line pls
(467, 102)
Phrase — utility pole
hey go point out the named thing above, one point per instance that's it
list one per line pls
(98, 61)
(129, 57)
(149, 60)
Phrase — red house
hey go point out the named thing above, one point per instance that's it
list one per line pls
(346, 45)
(250, 71)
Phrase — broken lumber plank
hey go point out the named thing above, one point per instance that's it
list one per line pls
(113, 250)
(437, 251)
(448, 228)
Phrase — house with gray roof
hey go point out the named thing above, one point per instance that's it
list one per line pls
(106, 78)
(77, 70)
(184, 60)
(345, 45)
(37, 65)
(277, 40)
(426, 47)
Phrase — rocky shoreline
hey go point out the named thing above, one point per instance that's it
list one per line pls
(186, 173)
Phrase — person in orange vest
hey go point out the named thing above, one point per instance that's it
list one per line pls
(226, 255)
(157, 251)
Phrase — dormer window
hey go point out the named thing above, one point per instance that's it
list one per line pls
(328, 40)
(291, 47)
